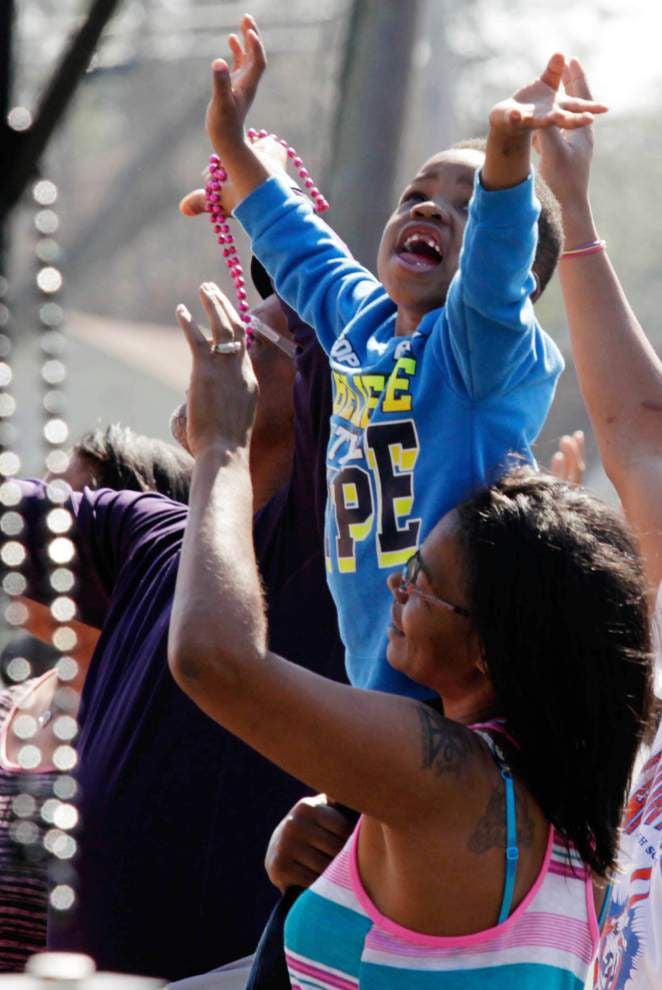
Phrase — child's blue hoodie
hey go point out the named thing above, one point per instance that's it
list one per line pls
(420, 421)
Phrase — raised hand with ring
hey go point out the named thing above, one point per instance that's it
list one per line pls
(222, 395)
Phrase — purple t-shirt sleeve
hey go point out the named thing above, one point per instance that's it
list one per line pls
(295, 515)
(312, 411)
(108, 529)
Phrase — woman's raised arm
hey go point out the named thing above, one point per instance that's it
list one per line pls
(388, 757)
(620, 374)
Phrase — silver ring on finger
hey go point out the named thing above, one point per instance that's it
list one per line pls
(226, 347)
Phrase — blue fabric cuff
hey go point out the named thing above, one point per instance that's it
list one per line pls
(505, 207)
(255, 211)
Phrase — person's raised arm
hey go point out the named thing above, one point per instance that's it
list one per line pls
(313, 271)
(410, 757)
(494, 342)
(620, 375)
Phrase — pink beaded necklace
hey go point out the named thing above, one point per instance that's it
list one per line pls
(219, 219)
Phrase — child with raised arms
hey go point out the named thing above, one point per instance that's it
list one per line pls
(440, 368)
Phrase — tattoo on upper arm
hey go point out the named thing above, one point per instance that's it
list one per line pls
(490, 831)
(445, 745)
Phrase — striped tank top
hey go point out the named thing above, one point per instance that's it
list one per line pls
(337, 939)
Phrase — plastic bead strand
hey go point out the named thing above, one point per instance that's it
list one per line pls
(219, 220)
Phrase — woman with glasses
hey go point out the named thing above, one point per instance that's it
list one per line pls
(488, 821)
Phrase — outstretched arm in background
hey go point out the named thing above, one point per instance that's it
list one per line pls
(495, 344)
(619, 373)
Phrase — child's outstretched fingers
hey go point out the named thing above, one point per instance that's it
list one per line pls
(237, 51)
(234, 89)
(553, 74)
(541, 104)
(221, 82)
(251, 32)
(253, 57)
(225, 119)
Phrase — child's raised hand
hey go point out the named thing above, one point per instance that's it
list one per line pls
(565, 162)
(234, 89)
(540, 105)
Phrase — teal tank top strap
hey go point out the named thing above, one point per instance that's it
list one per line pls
(512, 849)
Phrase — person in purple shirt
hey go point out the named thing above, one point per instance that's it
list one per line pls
(115, 457)
(176, 813)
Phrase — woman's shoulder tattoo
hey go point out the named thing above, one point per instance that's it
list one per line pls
(445, 745)
(490, 830)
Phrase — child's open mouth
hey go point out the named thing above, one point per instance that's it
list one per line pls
(419, 252)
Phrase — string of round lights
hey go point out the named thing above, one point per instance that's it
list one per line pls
(44, 811)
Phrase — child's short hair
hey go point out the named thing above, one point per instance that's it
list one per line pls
(550, 231)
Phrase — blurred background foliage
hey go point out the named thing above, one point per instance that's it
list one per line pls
(133, 143)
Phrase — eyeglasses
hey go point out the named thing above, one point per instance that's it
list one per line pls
(408, 579)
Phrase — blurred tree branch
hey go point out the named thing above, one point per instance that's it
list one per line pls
(6, 134)
(371, 109)
(112, 223)
(27, 148)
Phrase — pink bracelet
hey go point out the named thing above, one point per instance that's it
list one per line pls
(219, 220)
(593, 247)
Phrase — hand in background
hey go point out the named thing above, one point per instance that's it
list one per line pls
(272, 155)
(305, 842)
(569, 461)
(565, 162)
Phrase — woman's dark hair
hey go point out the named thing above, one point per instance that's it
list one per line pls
(124, 460)
(558, 600)
(550, 230)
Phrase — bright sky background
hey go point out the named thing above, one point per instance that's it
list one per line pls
(627, 67)
(618, 41)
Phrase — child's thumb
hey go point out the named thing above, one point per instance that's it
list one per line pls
(222, 85)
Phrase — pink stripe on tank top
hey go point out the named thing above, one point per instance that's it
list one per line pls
(439, 941)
